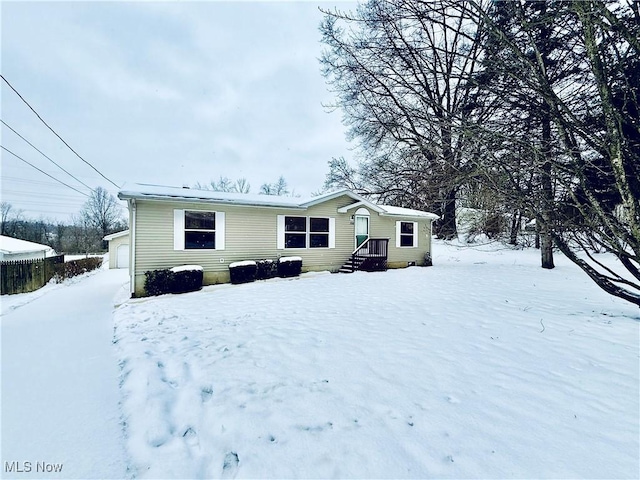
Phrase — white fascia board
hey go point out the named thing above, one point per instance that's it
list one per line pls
(328, 196)
(346, 208)
(116, 235)
(361, 201)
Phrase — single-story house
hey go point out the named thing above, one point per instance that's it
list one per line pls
(170, 226)
(16, 249)
(118, 249)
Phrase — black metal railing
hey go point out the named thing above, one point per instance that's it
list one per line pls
(371, 256)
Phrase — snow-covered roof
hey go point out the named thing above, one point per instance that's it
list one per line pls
(407, 212)
(160, 192)
(116, 235)
(9, 245)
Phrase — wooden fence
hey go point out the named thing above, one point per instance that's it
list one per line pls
(20, 276)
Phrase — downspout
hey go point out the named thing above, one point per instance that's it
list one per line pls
(132, 247)
(430, 240)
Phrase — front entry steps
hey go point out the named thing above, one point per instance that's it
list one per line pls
(371, 256)
(352, 265)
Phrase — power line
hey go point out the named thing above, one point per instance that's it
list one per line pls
(50, 176)
(25, 180)
(54, 132)
(47, 204)
(40, 194)
(45, 156)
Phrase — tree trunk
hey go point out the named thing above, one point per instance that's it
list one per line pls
(546, 214)
(516, 220)
(546, 249)
(546, 241)
(446, 226)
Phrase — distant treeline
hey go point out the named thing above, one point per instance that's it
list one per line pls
(64, 238)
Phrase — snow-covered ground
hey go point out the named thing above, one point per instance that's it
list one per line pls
(69, 258)
(60, 397)
(483, 366)
(11, 302)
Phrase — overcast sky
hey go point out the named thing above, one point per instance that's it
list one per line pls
(164, 93)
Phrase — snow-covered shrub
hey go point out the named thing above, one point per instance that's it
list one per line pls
(243, 272)
(266, 269)
(486, 227)
(187, 278)
(289, 266)
(158, 282)
(76, 267)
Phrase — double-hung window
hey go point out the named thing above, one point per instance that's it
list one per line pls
(198, 230)
(318, 232)
(305, 232)
(406, 234)
(295, 229)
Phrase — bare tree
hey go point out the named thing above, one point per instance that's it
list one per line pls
(277, 188)
(400, 71)
(5, 211)
(242, 186)
(590, 138)
(102, 212)
(224, 184)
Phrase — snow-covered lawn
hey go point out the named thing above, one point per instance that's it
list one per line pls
(483, 366)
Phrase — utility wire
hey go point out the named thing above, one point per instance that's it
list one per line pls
(42, 194)
(45, 156)
(54, 132)
(50, 176)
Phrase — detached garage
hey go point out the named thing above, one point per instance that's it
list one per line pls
(118, 249)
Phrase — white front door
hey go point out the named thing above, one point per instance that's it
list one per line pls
(362, 229)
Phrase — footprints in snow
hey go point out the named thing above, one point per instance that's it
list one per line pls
(230, 465)
(206, 393)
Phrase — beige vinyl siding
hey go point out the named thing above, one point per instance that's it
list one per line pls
(251, 234)
(401, 256)
(385, 227)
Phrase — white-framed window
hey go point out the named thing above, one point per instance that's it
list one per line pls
(406, 234)
(319, 230)
(295, 232)
(198, 230)
(305, 232)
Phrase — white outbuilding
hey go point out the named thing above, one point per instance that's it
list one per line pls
(16, 249)
(118, 249)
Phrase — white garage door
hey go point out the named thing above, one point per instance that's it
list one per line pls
(122, 260)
